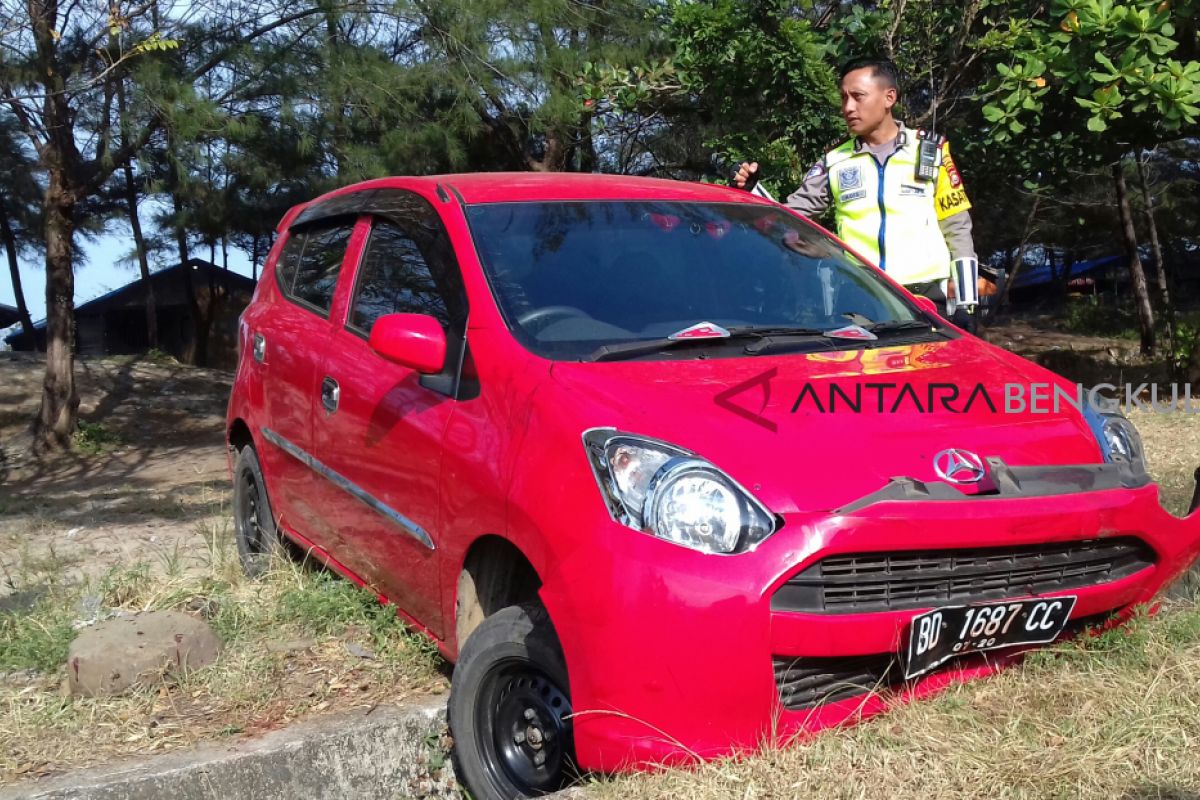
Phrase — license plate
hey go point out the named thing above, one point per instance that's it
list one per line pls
(937, 636)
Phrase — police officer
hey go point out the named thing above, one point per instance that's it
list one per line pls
(897, 195)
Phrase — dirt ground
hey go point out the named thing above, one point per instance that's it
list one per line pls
(150, 473)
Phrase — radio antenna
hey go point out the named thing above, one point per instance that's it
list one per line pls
(933, 98)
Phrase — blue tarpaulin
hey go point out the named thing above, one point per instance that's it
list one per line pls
(1040, 274)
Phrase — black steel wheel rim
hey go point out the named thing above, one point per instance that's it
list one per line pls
(249, 513)
(522, 725)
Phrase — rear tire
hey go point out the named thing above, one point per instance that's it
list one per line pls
(510, 707)
(258, 541)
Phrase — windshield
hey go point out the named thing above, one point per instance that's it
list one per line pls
(570, 277)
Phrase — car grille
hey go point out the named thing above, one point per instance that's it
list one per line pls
(805, 682)
(870, 582)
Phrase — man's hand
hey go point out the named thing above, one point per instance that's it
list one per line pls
(745, 172)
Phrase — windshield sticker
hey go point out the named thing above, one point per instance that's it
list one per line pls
(852, 332)
(702, 330)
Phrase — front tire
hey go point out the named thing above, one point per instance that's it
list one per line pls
(258, 541)
(510, 707)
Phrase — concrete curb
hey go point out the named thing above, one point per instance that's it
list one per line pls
(386, 753)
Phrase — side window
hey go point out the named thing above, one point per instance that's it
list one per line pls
(289, 262)
(396, 278)
(317, 273)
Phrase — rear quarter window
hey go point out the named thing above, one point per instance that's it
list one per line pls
(317, 268)
(289, 262)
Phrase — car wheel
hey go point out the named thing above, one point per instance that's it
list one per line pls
(253, 523)
(510, 708)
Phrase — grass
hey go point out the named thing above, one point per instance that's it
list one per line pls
(1090, 316)
(93, 438)
(1172, 444)
(297, 642)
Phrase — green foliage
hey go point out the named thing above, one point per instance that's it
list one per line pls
(765, 78)
(155, 41)
(1088, 316)
(1187, 339)
(755, 77)
(93, 438)
(36, 638)
(1097, 73)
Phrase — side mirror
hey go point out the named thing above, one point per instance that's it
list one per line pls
(928, 305)
(416, 341)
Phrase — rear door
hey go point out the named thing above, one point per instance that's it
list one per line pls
(292, 340)
(384, 436)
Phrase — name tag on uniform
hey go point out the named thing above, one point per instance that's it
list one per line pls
(848, 197)
(908, 190)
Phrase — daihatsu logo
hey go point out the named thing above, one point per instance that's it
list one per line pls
(959, 466)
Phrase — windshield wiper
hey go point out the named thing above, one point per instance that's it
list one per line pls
(612, 352)
(888, 325)
(877, 330)
(900, 325)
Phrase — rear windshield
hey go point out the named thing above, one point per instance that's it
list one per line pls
(572, 276)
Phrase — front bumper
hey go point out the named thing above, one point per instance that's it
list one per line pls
(672, 654)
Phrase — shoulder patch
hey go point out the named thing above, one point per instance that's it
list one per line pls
(817, 170)
(950, 167)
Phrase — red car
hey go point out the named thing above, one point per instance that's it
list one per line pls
(653, 463)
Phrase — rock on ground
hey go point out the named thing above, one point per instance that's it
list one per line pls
(116, 655)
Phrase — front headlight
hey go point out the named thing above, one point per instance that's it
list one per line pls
(1118, 438)
(657, 488)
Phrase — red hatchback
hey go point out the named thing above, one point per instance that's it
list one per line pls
(664, 468)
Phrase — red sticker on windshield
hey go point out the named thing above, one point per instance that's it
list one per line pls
(668, 222)
(718, 229)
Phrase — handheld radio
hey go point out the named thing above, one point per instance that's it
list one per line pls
(927, 157)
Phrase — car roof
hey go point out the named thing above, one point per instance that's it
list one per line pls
(501, 187)
(517, 187)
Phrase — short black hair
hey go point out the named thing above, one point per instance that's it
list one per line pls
(882, 68)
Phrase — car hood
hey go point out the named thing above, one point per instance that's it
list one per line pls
(786, 428)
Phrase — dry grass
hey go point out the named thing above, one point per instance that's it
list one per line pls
(1172, 452)
(298, 642)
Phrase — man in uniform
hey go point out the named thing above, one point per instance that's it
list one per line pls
(914, 223)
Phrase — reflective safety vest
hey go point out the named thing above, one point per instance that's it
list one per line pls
(889, 216)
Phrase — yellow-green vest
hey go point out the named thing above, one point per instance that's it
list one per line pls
(885, 213)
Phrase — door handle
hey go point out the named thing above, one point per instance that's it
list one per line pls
(260, 347)
(331, 393)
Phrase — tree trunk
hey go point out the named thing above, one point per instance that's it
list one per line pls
(1141, 291)
(1156, 248)
(14, 271)
(198, 353)
(1019, 256)
(56, 420)
(143, 260)
(1193, 370)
